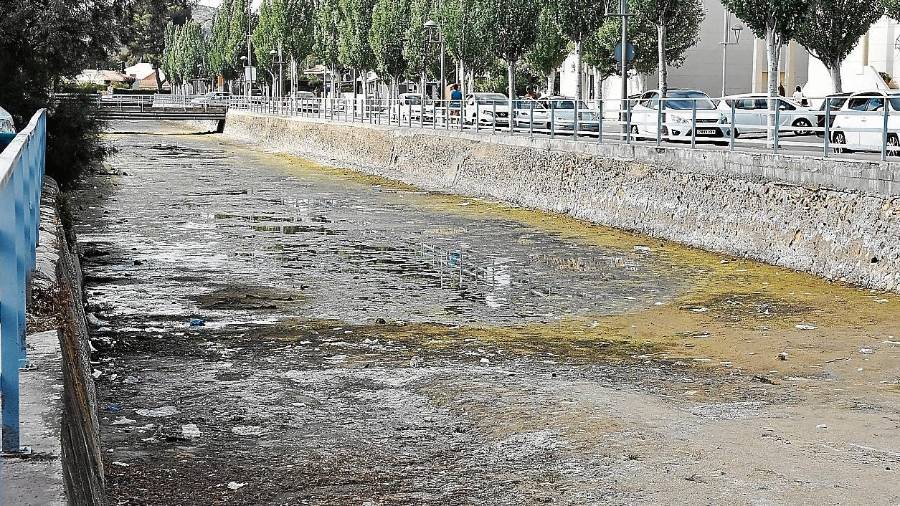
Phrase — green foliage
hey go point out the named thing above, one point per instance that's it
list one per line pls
(599, 48)
(353, 31)
(677, 25)
(511, 25)
(892, 8)
(218, 60)
(390, 20)
(417, 52)
(784, 17)
(832, 28)
(289, 23)
(465, 33)
(327, 32)
(550, 47)
(73, 138)
(43, 44)
(579, 19)
(185, 52)
(145, 25)
(496, 79)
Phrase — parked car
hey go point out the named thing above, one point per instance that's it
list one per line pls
(530, 114)
(212, 98)
(305, 101)
(410, 108)
(562, 112)
(481, 107)
(7, 128)
(834, 103)
(751, 114)
(859, 124)
(678, 116)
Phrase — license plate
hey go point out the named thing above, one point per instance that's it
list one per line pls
(706, 131)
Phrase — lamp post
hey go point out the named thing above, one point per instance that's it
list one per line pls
(276, 88)
(623, 63)
(435, 35)
(246, 76)
(728, 41)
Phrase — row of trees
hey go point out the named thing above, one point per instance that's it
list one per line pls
(388, 36)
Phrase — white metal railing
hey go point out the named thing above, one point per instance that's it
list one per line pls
(21, 177)
(775, 125)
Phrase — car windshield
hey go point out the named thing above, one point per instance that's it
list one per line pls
(412, 100)
(528, 104)
(493, 98)
(684, 100)
(833, 103)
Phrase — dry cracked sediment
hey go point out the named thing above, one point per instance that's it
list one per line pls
(366, 342)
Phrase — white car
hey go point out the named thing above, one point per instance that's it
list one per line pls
(487, 109)
(751, 114)
(562, 111)
(530, 113)
(212, 98)
(859, 124)
(7, 126)
(305, 101)
(711, 122)
(409, 108)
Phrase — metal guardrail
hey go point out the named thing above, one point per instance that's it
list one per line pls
(776, 124)
(21, 179)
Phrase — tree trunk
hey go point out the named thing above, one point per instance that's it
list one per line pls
(772, 56)
(511, 76)
(158, 82)
(551, 82)
(578, 70)
(835, 71)
(661, 59)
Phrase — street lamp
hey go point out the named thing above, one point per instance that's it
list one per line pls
(436, 36)
(623, 63)
(280, 62)
(727, 40)
(246, 79)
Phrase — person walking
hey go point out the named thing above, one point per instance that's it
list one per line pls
(456, 97)
(781, 90)
(799, 98)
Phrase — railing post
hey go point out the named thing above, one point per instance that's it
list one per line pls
(552, 118)
(627, 121)
(731, 133)
(477, 116)
(575, 120)
(531, 120)
(659, 121)
(693, 123)
(777, 126)
(600, 122)
(494, 117)
(884, 130)
(827, 133)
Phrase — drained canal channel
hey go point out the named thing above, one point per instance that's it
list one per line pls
(269, 330)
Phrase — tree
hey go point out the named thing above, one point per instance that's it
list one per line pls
(599, 48)
(143, 34)
(42, 45)
(680, 18)
(219, 62)
(416, 50)
(892, 8)
(832, 28)
(549, 50)
(512, 26)
(389, 24)
(353, 38)
(327, 23)
(776, 22)
(579, 19)
(465, 35)
(285, 26)
(184, 53)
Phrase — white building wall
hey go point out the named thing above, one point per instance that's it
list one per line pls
(876, 52)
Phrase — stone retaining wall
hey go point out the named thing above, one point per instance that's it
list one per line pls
(836, 219)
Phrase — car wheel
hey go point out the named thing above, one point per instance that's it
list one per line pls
(801, 124)
(839, 140)
(893, 145)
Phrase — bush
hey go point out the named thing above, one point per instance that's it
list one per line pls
(73, 138)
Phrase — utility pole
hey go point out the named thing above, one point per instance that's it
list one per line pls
(623, 65)
(248, 71)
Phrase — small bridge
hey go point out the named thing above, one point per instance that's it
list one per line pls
(157, 108)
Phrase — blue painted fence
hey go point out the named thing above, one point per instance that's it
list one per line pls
(21, 179)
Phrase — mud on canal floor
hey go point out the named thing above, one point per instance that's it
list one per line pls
(364, 342)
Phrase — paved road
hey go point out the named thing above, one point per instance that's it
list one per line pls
(368, 343)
